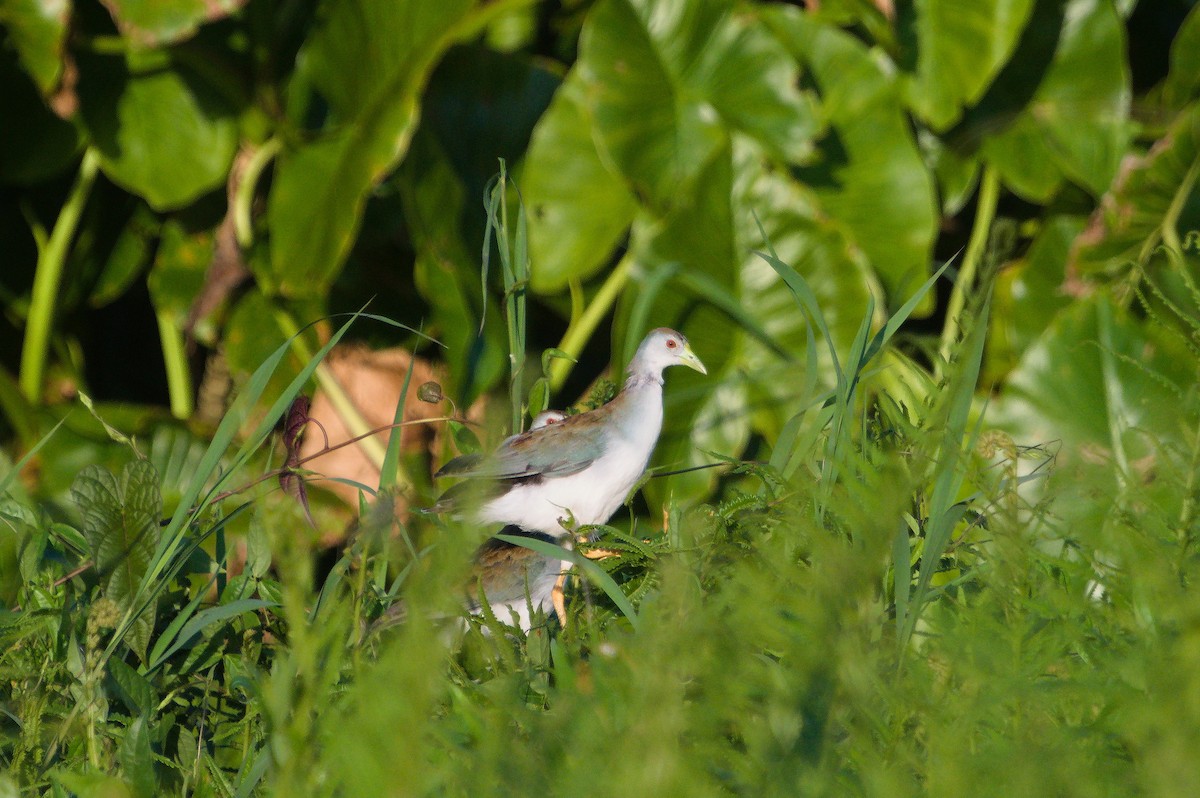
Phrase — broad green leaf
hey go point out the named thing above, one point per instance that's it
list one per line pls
(1154, 192)
(1077, 122)
(161, 133)
(871, 177)
(37, 30)
(803, 237)
(129, 255)
(1096, 379)
(1183, 81)
(94, 785)
(666, 80)
(137, 759)
(154, 22)
(180, 265)
(134, 690)
(579, 208)
(369, 60)
(960, 48)
(120, 522)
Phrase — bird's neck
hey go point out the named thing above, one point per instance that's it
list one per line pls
(637, 379)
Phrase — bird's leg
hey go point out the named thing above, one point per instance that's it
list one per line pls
(558, 599)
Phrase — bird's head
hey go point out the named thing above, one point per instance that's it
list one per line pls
(546, 418)
(662, 348)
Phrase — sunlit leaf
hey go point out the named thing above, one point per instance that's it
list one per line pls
(701, 235)
(665, 81)
(579, 208)
(1077, 121)
(871, 177)
(369, 60)
(162, 134)
(120, 521)
(960, 48)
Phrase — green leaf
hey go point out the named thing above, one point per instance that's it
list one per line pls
(180, 265)
(155, 22)
(369, 60)
(1154, 196)
(1028, 294)
(1182, 84)
(666, 81)
(579, 208)
(137, 759)
(37, 30)
(209, 617)
(132, 688)
(161, 133)
(1077, 122)
(129, 256)
(960, 48)
(871, 178)
(94, 785)
(815, 246)
(120, 522)
(1059, 390)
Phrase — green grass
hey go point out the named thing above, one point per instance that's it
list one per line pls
(900, 601)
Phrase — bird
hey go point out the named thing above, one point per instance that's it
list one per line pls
(582, 467)
(516, 581)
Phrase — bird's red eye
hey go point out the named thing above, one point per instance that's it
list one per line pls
(672, 343)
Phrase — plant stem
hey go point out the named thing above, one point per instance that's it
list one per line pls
(179, 379)
(985, 213)
(582, 327)
(51, 261)
(244, 197)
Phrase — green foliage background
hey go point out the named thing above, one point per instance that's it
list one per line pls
(950, 552)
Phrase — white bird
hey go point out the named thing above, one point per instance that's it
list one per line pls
(582, 467)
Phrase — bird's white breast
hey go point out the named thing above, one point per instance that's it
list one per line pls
(594, 494)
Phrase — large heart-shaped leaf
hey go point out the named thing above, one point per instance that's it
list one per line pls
(666, 79)
(872, 177)
(1076, 125)
(120, 522)
(579, 208)
(161, 132)
(1183, 81)
(369, 61)
(806, 239)
(960, 48)
(1153, 192)
(37, 29)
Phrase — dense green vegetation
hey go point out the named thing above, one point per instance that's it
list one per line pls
(928, 526)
